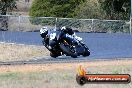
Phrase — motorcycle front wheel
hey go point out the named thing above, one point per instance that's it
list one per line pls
(53, 55)
(87, 51)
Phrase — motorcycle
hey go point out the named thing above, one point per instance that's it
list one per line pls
(66, 44)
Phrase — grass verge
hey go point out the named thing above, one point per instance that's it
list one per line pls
(61, 75)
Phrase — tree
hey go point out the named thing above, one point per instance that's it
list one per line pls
(90, 9)
(55, 8)
(116, 9)
(6, 5)
(117, 5)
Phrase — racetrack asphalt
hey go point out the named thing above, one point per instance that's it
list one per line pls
(101, 45)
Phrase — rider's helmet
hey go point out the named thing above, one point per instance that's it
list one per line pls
(43, 32)
(63, 28)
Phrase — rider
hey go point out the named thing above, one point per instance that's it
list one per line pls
(45, 33)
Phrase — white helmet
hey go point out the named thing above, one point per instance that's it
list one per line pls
(43, 30)
(63, 28)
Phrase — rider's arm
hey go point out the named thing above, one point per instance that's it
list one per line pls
(69, 31)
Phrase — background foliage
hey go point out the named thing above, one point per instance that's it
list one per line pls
(6, 5)
(55, 8)
(115, 9)
(97, 9)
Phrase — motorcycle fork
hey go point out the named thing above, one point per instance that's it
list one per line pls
(70, 45)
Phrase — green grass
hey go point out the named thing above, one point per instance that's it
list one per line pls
(8, 75)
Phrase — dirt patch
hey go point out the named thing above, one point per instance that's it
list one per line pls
(15, 52)
(54, 66)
